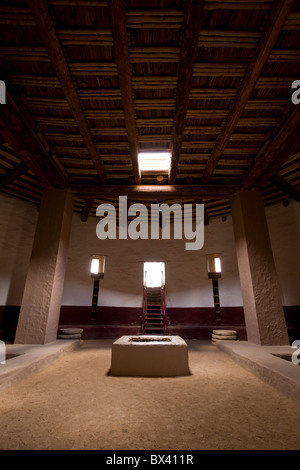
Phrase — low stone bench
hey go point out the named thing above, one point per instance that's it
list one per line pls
(149, 356)
(70, 333)
(224, 335)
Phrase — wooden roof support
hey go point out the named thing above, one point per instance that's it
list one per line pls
(13, 174)
(278, 17)
(16, 131)
(275, 153)
(188, 54)
(286, 187)
(121, 54)
(153, 192)
(86, 209)
(40, 12)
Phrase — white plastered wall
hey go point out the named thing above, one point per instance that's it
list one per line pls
(284, 229)
(187, 284)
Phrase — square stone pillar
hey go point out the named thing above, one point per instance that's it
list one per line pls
(264, 315)
(40, 309)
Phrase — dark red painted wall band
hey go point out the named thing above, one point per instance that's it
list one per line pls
(131, 315)
(113, 322)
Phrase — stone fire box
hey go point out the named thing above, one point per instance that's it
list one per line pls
(150, 356)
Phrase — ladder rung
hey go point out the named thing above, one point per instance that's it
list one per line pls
(151, 322)
(154, 317)
(153, 328)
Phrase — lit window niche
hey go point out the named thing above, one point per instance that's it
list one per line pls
(154, 162)
(214, 265)
(98, 266)
(214, 273)
(97, 272)
(154, 274)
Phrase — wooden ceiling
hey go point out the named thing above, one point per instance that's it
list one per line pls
(91, 83)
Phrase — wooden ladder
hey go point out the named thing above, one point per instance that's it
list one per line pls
(154, 319)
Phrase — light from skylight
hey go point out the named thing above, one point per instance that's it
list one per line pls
(158, 162)
(154, 274)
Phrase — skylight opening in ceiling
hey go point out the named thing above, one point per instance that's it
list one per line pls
(154, 162)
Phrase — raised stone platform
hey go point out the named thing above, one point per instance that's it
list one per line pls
(149, 356)
(265, 362)
(19, 361)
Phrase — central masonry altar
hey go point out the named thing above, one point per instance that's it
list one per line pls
(150, 356)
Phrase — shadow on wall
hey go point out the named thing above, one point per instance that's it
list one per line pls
(16, 240)
(9, 316)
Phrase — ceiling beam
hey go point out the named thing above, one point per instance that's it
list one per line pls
(286, 187)
(278, 17)
(40, 12)
(86, 209)
(121, 54)
(18, 133)
(275, 153)
(188, 55)
(13, 174)
(152, 192)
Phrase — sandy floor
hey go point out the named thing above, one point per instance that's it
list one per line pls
(75, 404)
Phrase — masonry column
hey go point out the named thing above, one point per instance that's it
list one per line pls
(264, 315)
(40, 309)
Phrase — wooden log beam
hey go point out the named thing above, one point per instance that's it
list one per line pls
(278, 16)
(93, 68)
(121, 54)
(85, 36)
(40, 12)
(219, 70)
(275, 153)
(147, 82)
(13, 15)
(188, 54)
(152, 192)
(34, 80)
(286, 187)
(150, 54)
(86, 209)
(17, 132)
(228, 38)
(79, 3)
(212, 93)
(238, 5)
(155, 18)
(13, 174)
(24, 53)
